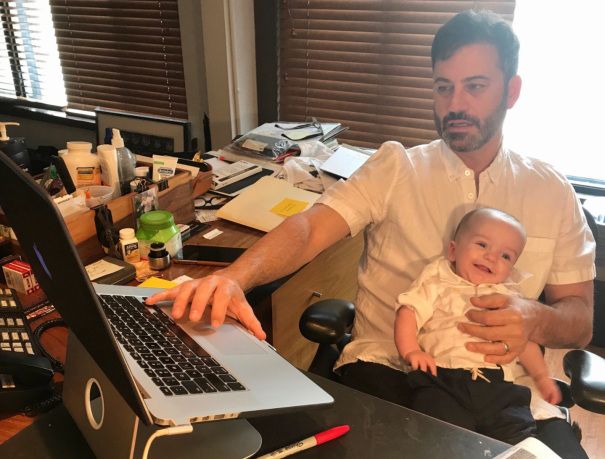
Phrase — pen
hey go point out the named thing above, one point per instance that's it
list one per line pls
(307, 443)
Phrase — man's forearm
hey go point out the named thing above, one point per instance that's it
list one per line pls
(567, 321)
(288, 247)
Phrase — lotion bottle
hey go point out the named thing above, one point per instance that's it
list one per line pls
(83, 166)
(126, 161)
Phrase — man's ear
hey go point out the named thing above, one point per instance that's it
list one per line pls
(514, 90)
(451, 251)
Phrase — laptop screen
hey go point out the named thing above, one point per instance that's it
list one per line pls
(49, 249)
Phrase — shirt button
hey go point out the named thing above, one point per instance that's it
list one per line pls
(467, 173)
(470, 196)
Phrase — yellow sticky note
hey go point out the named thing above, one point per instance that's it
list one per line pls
(156, 282)
(288, 207)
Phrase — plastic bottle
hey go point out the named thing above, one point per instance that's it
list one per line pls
(84, 167)
(129, 246)
(126, 161)
(158, 226)
(109, 168)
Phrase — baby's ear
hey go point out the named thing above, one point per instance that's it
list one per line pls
(451, 251)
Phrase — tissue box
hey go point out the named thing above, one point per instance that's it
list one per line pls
(19, 276)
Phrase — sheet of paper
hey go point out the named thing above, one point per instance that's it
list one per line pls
(156, 282)
(101, 268)
(530, 448)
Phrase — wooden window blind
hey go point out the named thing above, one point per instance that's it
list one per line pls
(365, 63)
(122, 55)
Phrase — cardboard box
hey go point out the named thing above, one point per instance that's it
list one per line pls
(177, 199)
(19, 276)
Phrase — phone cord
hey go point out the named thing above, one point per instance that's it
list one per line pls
(45, 405)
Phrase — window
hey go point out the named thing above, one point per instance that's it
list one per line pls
(29, 60)
(557, 117)
(115, 55)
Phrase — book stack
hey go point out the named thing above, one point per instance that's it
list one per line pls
(276, 140)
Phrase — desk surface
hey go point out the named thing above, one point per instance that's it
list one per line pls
(378, 429)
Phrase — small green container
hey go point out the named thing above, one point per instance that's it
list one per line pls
(158, 226)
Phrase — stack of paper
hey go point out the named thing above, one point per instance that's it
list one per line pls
(266, 204)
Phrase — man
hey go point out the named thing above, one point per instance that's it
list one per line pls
(408, 202)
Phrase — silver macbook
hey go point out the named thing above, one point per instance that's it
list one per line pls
(169, 373)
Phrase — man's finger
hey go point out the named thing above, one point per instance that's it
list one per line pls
(495, 348)
(501, 359)
(493, 317)
(491, 301)
(246, 316)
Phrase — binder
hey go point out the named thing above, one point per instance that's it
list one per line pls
(266, 204)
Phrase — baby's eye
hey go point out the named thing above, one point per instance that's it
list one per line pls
(507, 257)
(481, 244)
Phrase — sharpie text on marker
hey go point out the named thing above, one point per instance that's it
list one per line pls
(307, 443)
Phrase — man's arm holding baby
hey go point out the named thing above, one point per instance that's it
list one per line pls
(406, 332)
(565, 321)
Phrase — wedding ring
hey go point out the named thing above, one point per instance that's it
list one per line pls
(506, 347)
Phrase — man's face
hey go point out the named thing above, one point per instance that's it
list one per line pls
(470, 97)
(486, 251)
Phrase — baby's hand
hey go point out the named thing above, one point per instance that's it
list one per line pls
(421, 360)
(549, 390)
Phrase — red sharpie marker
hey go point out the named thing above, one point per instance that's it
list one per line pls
(307, 443)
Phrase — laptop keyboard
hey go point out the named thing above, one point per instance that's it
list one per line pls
(170, 357)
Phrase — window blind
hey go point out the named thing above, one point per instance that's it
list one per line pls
(365, 63)
(29, 61)
(123, 55)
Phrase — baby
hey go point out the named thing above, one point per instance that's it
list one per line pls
(450, 382)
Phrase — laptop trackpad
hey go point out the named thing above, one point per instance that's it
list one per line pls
(228, 339)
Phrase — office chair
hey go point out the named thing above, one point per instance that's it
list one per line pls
(329, 322)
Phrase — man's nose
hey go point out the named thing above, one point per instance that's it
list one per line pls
(458, 101)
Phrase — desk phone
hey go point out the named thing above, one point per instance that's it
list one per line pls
(25, 375)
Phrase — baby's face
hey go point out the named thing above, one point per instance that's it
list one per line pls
(487, 250)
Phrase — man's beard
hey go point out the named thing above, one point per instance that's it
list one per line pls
(461, 142)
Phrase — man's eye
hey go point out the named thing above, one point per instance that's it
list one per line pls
(475, 87)
(442, 90)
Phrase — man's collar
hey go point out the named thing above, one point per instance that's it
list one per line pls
(456, 169)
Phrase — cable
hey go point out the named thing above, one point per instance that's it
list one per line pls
(176, 430)
(56, 364)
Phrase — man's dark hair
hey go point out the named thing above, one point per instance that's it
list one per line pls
(471, 27)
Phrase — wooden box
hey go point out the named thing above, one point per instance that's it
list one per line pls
(177, 198)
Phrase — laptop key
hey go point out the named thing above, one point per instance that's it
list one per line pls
(205, 385)
(216, 382)
(209, 361)
(171, 381)
(195, 374)
(227, 378)
(163, 373)
(219, 371)
(158, 381)
(181, 376)
(149, 372)
(178, 390)
(192, 387)
(156, 365)
(166, 391)
(235, 386)
(166, 360)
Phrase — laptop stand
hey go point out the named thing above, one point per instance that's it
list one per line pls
(112, 430)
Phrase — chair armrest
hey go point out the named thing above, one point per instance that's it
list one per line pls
(327, 321)
(587, 374)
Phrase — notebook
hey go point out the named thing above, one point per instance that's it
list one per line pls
(344, 161)
(264, 382)
(267, 203)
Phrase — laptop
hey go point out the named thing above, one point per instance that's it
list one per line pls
(169, 373)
